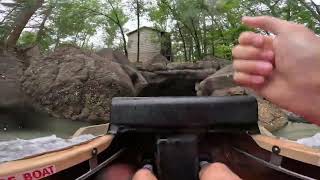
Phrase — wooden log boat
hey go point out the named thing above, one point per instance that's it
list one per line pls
(245, 154)
(49, 164)
(62, 164)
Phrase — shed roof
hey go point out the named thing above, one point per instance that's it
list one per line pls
(145, 27)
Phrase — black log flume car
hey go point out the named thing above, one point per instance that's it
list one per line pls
(174, 135)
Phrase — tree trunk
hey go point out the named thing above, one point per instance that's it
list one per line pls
(8, 15)
(84, 40)
(57, 43)
(21, 21)
(4, 36)
(138, 18)
(197, 41)
(124, 40)
(75, 39)
(117, 21)
(41, 31)
(213, 48)
(183, 42)
(205, 41)
(212, 37)
(316, 6)
(191, 51)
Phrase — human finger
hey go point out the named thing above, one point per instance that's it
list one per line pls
(252, 53)
(248, 80)
(117, 172)
(217, 171)
(253, 67)
(268, 23)
(146, 173)
(256, 40)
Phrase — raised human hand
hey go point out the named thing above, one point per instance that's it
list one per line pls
(284, 68)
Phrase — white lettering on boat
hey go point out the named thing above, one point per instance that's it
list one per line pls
(35, 174)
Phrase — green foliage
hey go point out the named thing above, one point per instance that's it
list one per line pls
(224, 6)
(223, 51)
(27, 38)
(198, 27)
(159, 15)
(4, 30)
(216, 24)
(74, 20)
(113, 19)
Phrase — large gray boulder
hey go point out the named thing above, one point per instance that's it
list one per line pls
(74, 84)
(10, 74)
(222, 62)
(114, 55)
(193, 66)
(271, 116)
(28, 53)
(157, 63)
(222, 79)
(138, 80)
(221, 84)
(14, 106)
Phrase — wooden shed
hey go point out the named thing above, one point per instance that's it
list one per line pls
(152, 42)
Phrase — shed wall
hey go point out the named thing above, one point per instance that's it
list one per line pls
(150, 45)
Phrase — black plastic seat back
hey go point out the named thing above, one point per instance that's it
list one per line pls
(184, 112)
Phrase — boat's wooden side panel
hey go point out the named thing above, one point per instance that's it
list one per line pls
(60, 160)
(96, 130)
(290, 149)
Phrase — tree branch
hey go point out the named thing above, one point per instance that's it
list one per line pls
(316, 6)
(312, 11)
(9, 13)
(121, 29)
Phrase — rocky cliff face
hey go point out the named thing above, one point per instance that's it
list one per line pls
(14, 105)
(10, 74)
(74, 84)
(138, 80)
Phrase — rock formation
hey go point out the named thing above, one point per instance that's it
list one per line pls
(222, 62)
(10, 74)
(138, 80)
(222, 79)
(115, 56)
(13, 102)
(221, 84)
(157, 63)
(75, 84)
(174, 79)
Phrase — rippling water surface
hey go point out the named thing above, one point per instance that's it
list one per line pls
(33, 125)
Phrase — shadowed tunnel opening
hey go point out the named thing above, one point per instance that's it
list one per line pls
(170, 87)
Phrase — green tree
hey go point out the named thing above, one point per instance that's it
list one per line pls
(73, 23)
(30, 7)
(27, 38)
(113, 19)
(139, 7)
(116, 19)
(16, 20)
(198, 27)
